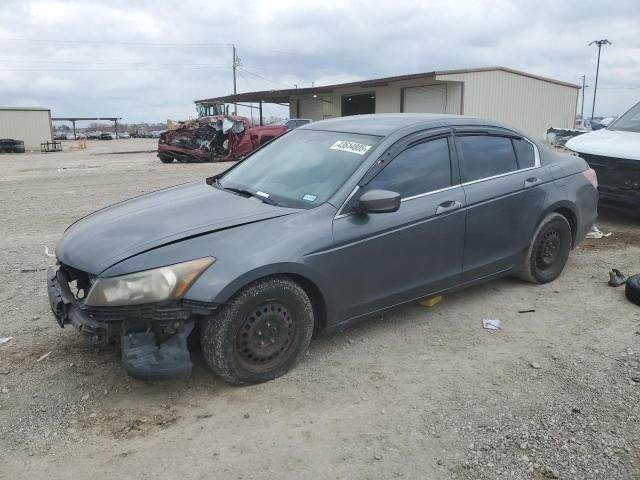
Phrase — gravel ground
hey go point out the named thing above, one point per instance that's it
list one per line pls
(418, 393)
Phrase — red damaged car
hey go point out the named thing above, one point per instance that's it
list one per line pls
(215, 139)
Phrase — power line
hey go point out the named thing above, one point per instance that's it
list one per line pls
(619, 88)
(264, 78)
(109, 42)
(246, 79)
(12, 61)
(134, 69)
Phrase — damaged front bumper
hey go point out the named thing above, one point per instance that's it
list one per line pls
(153, 337)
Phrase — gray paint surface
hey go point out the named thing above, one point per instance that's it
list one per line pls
(360, 263)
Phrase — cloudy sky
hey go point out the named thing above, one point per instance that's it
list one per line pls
(148, 60)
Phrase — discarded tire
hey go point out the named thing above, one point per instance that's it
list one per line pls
(632, 289)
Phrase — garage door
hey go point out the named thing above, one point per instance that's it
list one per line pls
(431, 99)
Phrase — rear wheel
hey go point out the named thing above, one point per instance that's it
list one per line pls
(549, 250)
(166, 159)
(260, 334)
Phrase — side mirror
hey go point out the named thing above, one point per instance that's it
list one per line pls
(378, 201)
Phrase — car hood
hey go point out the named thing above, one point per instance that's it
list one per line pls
(113, 234)
(608, 143)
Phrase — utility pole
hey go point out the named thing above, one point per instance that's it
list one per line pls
(584, 86)
(599, 43)
(236, 62)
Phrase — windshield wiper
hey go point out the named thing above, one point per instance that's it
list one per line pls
(241, 191)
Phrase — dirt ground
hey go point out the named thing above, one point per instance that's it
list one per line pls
(420, 393)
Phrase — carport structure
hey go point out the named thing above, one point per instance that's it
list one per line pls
(526, 101)
(73, 121)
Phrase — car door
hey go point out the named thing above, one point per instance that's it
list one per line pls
(389, 258)
(504, 196)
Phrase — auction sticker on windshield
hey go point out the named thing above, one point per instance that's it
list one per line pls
(353, 147)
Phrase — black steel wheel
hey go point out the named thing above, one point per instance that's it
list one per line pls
(549, 250)
(260, 334)
(265, 335)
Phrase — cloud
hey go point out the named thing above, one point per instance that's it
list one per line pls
(129, 59)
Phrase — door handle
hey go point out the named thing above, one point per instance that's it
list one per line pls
(448, 206)
(531, 182)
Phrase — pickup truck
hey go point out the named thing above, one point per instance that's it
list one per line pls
(216, 138)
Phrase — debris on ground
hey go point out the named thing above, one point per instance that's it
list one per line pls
(430, 302)
(596, 233)
(491, 324)
(43, 357)
(531, 310)
(616, 278)
(4, 340)
(632, 289)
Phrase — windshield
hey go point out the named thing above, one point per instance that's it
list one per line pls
(629, 122)
(301, 169)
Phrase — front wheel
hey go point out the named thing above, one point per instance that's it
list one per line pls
(260, 334)
(549, 250)
(166, 159)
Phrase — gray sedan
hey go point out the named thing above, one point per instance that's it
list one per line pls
(331, 223)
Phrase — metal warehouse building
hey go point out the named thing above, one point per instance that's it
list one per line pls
(32, 125)
(525, 101)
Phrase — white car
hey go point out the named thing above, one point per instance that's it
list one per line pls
(614, 153)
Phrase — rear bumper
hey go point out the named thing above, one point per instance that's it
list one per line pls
(153, 337)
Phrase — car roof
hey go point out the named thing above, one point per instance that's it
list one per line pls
(384, 124)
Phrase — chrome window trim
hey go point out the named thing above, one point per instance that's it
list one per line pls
(536, 164)
(339, 214)
(536, 156)
(497, 176)
(433, 192)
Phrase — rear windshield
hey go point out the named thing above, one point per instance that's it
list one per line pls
(303, 168)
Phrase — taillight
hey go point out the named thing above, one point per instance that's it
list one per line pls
(590, 175)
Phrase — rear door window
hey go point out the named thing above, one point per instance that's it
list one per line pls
(524, 152)
(486, 156)
(421, 168)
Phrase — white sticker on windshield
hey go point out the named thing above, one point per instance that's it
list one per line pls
(353, 147)
(262, 194)
(309, 198)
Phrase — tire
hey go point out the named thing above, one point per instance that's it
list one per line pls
(632, 289)
(549, 250)
(260, 334)
(166, 159)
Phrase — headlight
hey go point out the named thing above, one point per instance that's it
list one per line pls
(159, 284)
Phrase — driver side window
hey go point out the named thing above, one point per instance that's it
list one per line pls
(419, 169)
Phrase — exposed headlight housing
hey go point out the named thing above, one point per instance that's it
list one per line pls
(149, 286)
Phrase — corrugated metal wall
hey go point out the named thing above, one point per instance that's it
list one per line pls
(529, 104)
(388, 99)
(31, 126)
